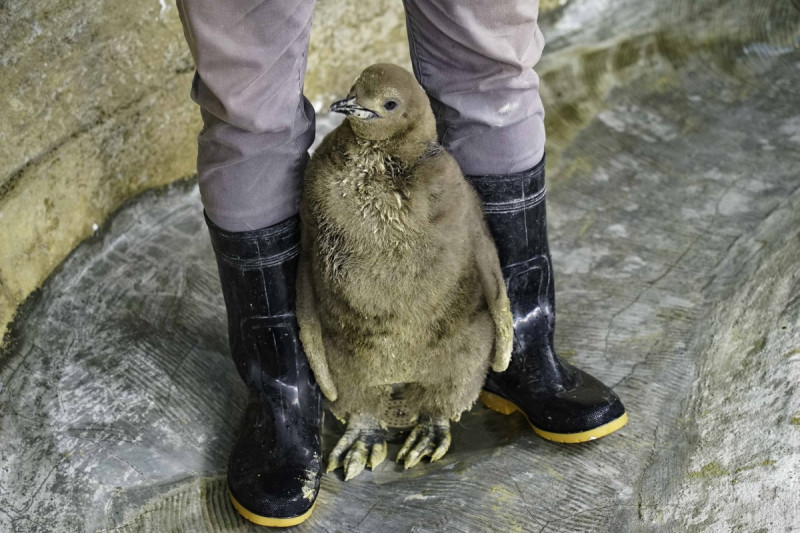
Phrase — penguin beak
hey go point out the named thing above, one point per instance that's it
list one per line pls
(349, 107)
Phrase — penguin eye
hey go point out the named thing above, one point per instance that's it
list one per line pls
(391, 104)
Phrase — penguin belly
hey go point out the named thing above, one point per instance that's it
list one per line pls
(411, 334)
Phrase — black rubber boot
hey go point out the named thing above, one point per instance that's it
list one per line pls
(274, 469)
(561, 402)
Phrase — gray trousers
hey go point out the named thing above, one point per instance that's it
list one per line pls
(474, 58)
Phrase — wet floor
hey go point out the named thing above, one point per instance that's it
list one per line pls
(674, 201)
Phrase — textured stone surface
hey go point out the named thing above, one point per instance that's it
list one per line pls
(675, 222)
(95, 112)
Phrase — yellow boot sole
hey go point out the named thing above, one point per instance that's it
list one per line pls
(266, 520)
(505, 407)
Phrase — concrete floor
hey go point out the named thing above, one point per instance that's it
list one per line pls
(674, 202)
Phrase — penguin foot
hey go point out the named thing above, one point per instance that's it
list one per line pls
(430, 438)
(363, 444)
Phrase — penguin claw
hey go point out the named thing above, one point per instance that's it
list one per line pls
(332, 465)
(377, 455)
(430, 438)
(356, 460)
(363, 444)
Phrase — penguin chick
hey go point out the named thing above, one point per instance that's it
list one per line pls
(399, 280)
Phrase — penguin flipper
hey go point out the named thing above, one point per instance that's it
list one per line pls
(310, 329)
(494, 289)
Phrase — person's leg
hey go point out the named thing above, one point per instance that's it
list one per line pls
(251, 60)
(475, 59)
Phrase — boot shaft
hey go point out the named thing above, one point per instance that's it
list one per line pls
(514, 207)
(257, 271)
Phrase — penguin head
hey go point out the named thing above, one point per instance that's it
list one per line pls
(386, 101)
